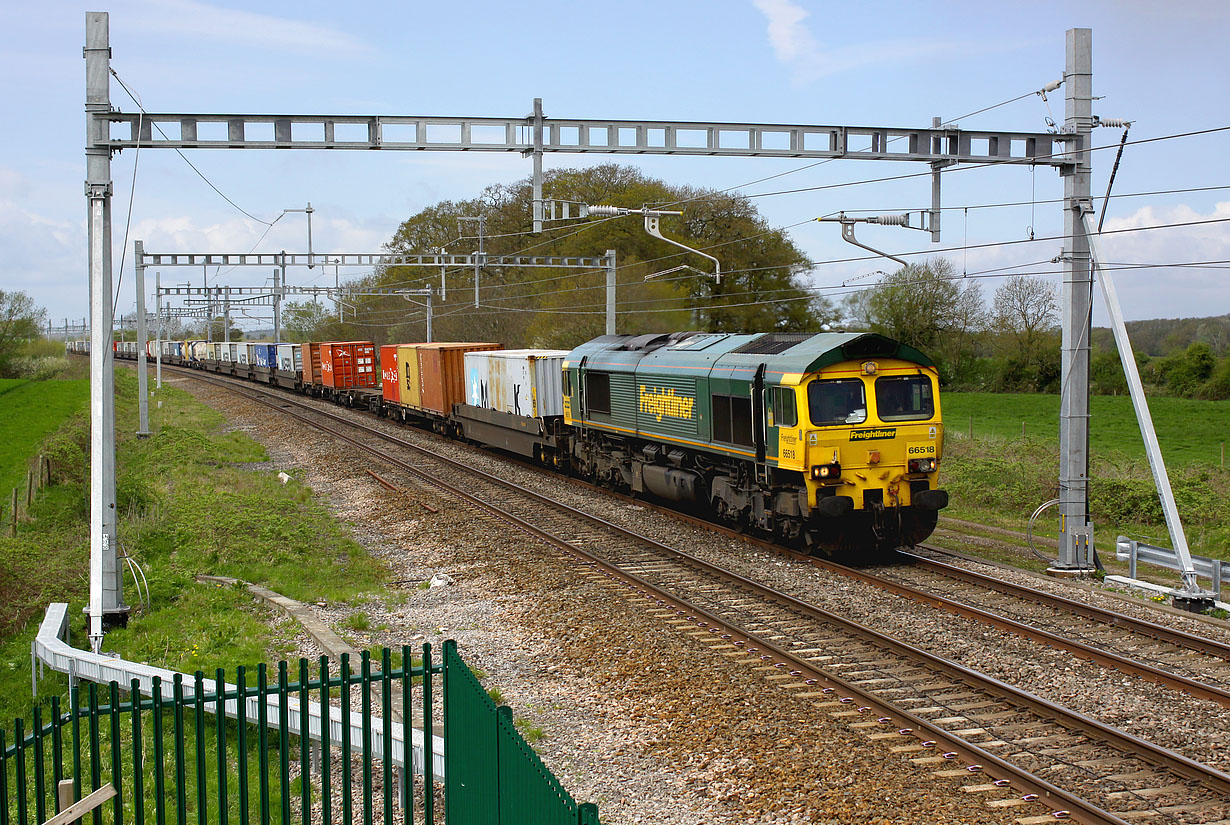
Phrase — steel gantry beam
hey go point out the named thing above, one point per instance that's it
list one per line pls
(128, 130)
(477, 260)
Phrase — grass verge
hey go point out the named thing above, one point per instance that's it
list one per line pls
(193, 498)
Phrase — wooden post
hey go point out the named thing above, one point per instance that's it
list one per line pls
(1223, 454)
(13, 516)
(29, 488)
(64, 794)
(971, 426)
(1022, 430)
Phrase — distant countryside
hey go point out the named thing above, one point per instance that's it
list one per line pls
(1189, 430)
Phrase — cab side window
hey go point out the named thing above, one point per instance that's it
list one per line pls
(785, 413)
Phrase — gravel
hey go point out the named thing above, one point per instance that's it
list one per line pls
(652, 726)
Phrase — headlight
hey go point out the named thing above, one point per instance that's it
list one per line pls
(921, 465)
(826, 471)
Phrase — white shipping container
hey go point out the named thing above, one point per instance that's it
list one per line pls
(518, 381)
(290, 358)
(239, 353)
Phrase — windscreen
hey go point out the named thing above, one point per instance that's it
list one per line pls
(904, 398)
(840, 401)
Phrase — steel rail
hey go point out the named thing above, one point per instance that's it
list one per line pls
(1177, 764)
(1179, 638)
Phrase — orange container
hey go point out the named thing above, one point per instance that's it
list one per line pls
(348, 364)
(442, 373)
(311, 363)
(390, 386)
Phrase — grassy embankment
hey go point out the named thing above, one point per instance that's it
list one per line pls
(29, 412)
(998, 477)
(189, 503)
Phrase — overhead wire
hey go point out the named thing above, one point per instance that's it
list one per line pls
(180, 152)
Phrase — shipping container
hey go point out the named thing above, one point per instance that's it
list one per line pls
(390, 386)
(197, 351)
(263, 355)
(348, 364)
(239, 353)
(519, 381)
(442, 373)
(311, 362)
(289, 357)
(408, 373)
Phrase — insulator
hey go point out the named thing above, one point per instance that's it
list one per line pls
(1052, 86)
(1114, 122)
(606, 211)
(891, 220)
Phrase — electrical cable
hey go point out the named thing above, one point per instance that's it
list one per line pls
(180, 152)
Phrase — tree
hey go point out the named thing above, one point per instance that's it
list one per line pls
(1024, 313)
(214, 329)
(762, 288)
(305, 321)
(20, 320)
(928, 307)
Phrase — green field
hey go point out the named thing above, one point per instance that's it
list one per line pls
(29, 412)
(1190, 431)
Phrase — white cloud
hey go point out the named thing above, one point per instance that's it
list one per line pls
(1160, 287)
(790, 38)
(204, 22)
(797, 48)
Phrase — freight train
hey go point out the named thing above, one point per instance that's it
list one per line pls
(828, 441)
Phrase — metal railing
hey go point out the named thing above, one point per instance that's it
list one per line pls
(1135, 552)
(192, 751)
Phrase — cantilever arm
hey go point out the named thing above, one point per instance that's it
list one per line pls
(651, 226)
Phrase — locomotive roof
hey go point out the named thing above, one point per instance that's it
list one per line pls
(785, 353)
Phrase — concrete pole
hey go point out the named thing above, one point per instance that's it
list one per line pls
(226, 317)
(209, 306)
(106, 585)
(279, 280)
(1076, 531)
(429, 314)
(158, 349)
(138, 250)
(536, 152)
(610, 292)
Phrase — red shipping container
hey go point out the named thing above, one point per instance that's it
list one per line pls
(442, 373)
(389, 383)
(348, 364)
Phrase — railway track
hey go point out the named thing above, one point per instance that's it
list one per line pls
(942, 713)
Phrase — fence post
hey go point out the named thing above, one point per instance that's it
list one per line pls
(66, 796)
(13, 516)
(29, 488)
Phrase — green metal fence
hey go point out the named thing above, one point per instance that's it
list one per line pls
(491, 775)
(201, 753)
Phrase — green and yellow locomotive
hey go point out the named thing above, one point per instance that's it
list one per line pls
(832, 440)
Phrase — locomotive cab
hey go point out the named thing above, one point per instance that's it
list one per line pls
(873, 448)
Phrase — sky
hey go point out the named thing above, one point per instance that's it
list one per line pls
(1159, 65)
